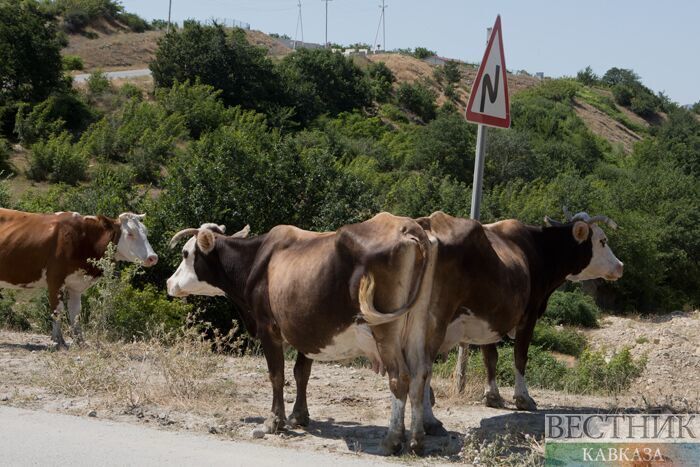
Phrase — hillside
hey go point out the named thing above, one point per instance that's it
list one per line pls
(114, 48)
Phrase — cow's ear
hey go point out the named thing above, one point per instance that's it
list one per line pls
(243, 233)
(205, 241)
(580, 231)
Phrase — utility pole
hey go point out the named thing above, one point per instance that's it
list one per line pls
(382, 24)
(170, 9)
(326, 43)
(300, 22)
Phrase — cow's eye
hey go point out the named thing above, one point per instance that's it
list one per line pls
(130, 235)
(602, 242)
(185, 253)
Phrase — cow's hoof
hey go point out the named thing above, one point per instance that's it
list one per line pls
(525, 402)
(416, 446)
(60, 346)
(298, 419)
(435, 428)
(273, 424)
(392, 444)
(494, 400)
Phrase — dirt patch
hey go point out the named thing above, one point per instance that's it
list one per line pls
(349, 406)
(606, 127)
(115, 51)
(671, 344)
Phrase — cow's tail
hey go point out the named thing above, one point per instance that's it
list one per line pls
(374, 317)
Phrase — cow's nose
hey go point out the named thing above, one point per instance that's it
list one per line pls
(620, 269)
(151, 260)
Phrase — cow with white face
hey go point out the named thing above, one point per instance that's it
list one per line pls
(54, 251)
(493, 280)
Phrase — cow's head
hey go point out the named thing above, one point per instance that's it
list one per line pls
(603, 262)
(133, 243)
(194, 274)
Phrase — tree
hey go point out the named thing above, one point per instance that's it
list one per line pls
(451, 72)
(30, 59)
(227, 62)
(322, 81)
(620, 76)
(419, 99)
(587, 76)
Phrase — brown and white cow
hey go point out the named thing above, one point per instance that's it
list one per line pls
(495, 280)
(53, 251)
(320, 293)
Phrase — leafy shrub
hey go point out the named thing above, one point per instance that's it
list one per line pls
(643, 104)
(382, 79)
(199, 104)
(558, 90)
(451, 72)
(623, 94)
(593, 375)
(9, 319)
(587, 77)
(450, 92)
(573, 309)
(134, 22)
(57, 160)
(118, 311)
(423, 53)
(130, 91)
(72, 62)
(98, 83)
(565, 340)
(417, 98)
(4, 194)
(100, 140)
(75, 20)
(62, 111)
(4, 156)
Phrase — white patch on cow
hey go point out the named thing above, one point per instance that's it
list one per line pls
(133, 243)
(184, 280)
(355, 341)
(37, 284)
(520, 386)
(603, 263)
(511, 333)
(469, 329)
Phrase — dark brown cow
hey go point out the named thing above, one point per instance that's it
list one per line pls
(495, 280)
(321, 292)
(53, 251)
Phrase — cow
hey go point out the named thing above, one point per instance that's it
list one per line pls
(322, 294)
(54, 251)
(495, 280)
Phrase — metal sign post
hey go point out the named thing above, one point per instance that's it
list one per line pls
(489, 104)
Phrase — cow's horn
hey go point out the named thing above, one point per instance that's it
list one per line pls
(549, 222)
(181, 234)
(581, 216)
(609, 222)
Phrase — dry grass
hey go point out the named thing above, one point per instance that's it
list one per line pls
(184, 375)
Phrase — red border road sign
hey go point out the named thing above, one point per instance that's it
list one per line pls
(492, 115)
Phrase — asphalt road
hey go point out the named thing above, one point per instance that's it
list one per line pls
(115, 74)
(40, 438)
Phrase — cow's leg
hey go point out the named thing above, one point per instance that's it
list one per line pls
(302, 371)
(274, 354)
(432, 425)
(419, 378)
(493, 397)
(74, 315)
(56, 307)
(398, 384)
(523, 401)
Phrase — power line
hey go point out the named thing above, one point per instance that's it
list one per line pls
(382, 24)
(326, 43)
(299, 23)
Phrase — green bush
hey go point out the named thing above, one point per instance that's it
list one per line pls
(72, 62)
(451, 72)
(98, 83)
(75, 20)
(117, 311)
(130, 91)
(587, 77)
(593, 375)
(100, 140)
(62, 111)
(643, 104)
(9, 319)
(134, 22)
(423, 53)
(572, 309)
(4, 194)
(417, 98)
(381, 81)
(57, 160)
(623, 94)
(5, 152)
(565, 340)
(199, 104)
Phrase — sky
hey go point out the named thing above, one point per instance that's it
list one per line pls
(660, 41)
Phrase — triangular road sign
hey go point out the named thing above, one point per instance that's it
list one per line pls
(489, 103)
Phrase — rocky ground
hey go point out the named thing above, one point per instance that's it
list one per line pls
(227, 397)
